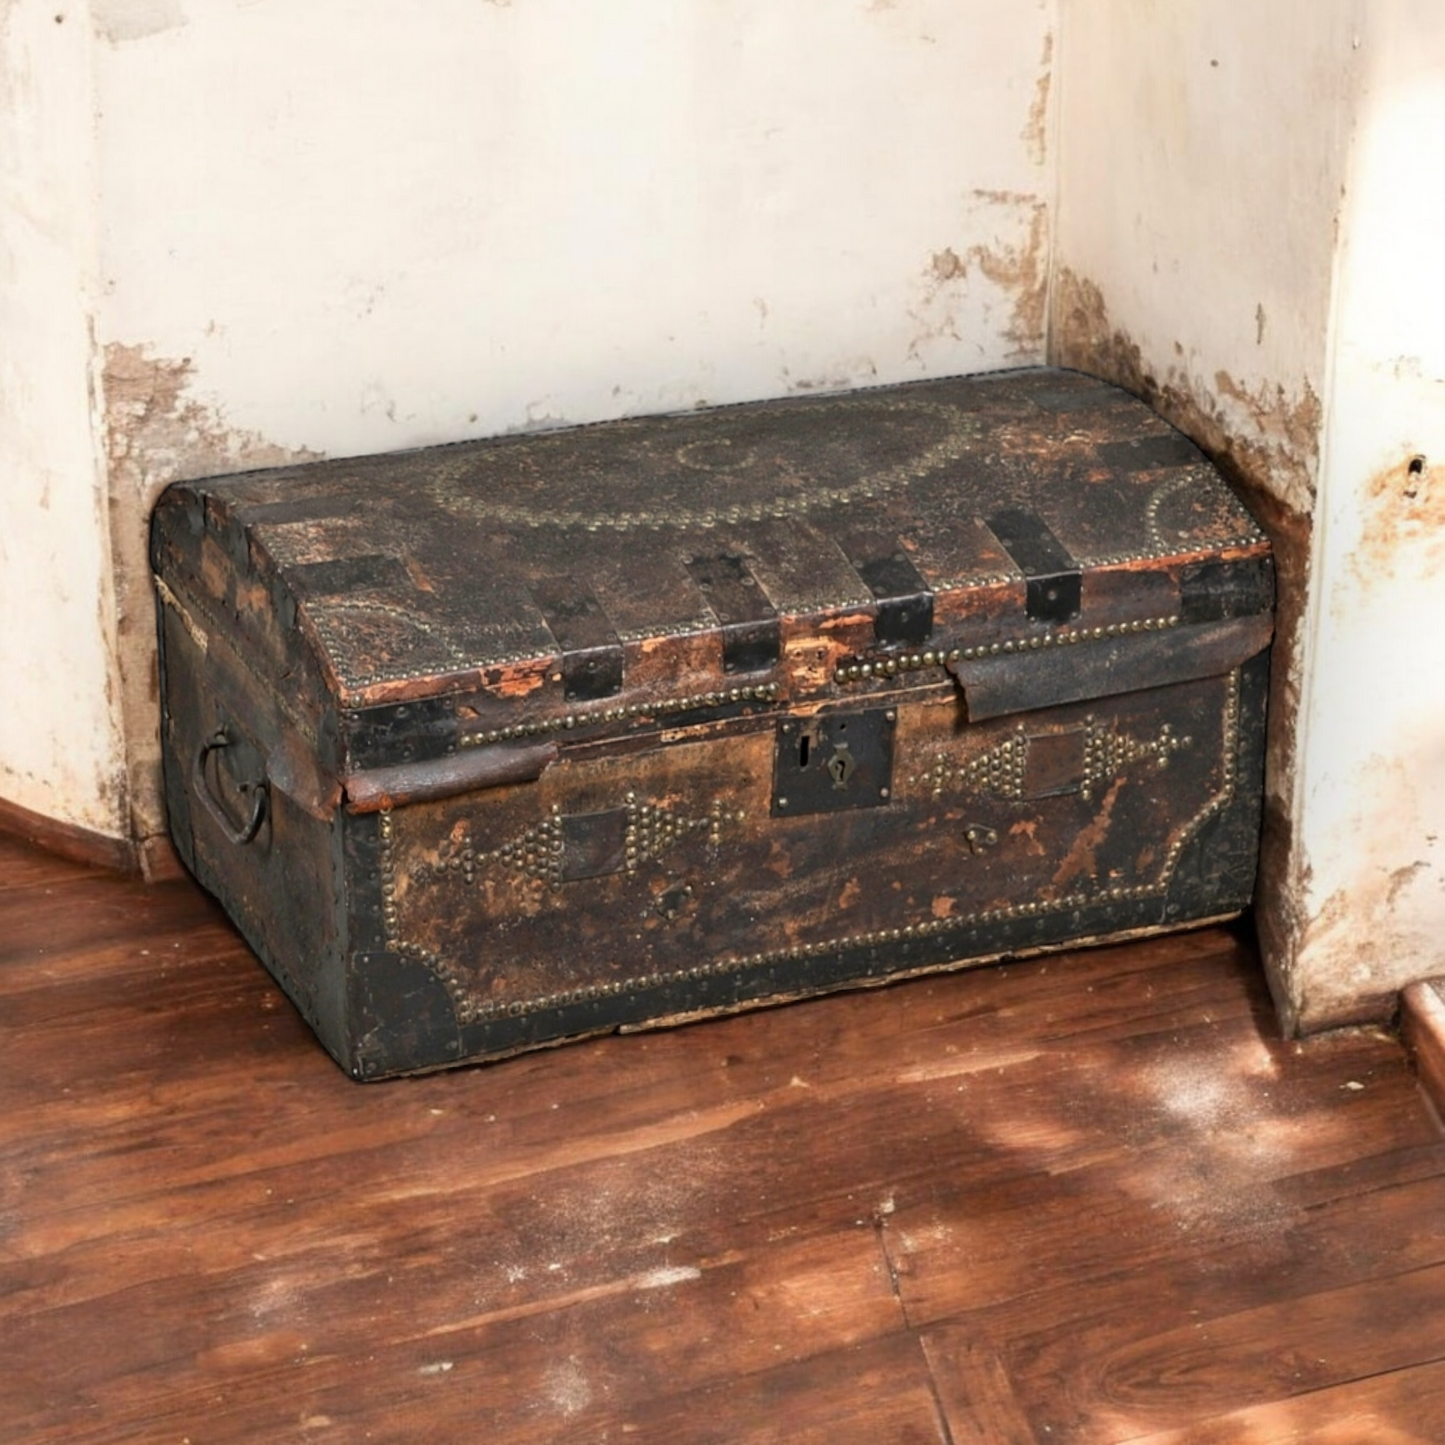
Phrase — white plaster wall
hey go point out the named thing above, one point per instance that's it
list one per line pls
(1202, 150)
(278, 228)
(329, 226)
(369, 230)
(1373, 755)
(60, 739)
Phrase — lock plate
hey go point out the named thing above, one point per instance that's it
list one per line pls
(833, 761)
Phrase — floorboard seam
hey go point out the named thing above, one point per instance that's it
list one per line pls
(945, 1431)
(1199, 1422)
(880, 1231)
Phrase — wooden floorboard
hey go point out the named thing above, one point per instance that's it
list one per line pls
(1090, 1198)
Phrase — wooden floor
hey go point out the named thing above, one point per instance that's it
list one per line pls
(1088, 1199)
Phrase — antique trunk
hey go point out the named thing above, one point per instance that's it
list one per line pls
(490, 746)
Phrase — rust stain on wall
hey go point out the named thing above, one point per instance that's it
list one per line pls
(156, 433)
(1035, 134)
(1404, 506)
(1266, 441)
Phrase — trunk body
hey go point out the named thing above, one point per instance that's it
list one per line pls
(491, 746)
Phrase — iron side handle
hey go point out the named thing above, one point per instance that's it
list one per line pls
(259, 791)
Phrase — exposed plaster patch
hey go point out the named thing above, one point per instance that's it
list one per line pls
(1266, 440)
(1019, 270)
(156, 434)
(1352, 940)
(1035, 134)
(1364, 941)
(121, 20)
(946, 266)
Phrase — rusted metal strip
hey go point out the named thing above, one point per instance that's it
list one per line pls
(1213, 591)
(903, 596)
(995, 686)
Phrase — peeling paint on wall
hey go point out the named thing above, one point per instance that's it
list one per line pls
(1017, 269)
(1357, 937)
(156, 433)
(1035, 134)
(1265, 438)
(1268, 435)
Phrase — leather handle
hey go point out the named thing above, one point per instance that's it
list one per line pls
(259, 793)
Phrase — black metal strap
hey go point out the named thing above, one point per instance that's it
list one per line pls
(904, 598)
(591, 653)
(752, 636)
(1055, 582)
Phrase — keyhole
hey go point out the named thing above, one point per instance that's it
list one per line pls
(840, 765)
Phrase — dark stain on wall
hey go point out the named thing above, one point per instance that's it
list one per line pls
(155, 434)
(1267, 443)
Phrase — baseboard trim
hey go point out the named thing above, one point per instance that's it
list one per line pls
(159, 861)
(68, 840)
(1422, 1026)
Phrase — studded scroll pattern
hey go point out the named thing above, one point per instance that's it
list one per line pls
(652, 831)
(1219, 519)
(1107, 752)
(771, 479)
(999, 770)
(340, 625)
(471, 1009)
(631, 500)
(453, 979)
(533, 859)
